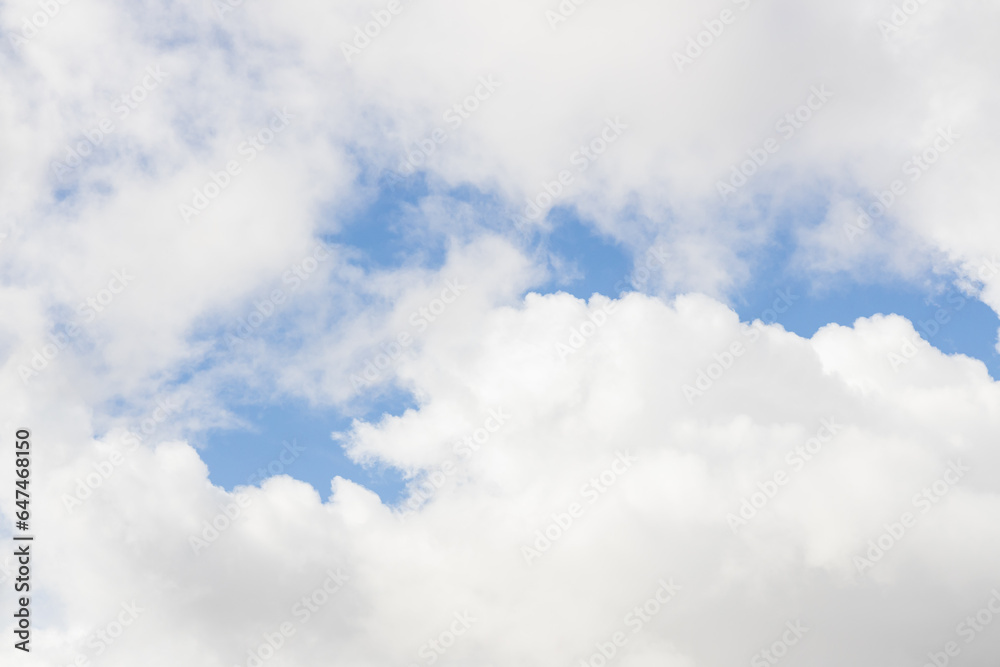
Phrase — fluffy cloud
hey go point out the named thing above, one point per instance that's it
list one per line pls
(554, 492)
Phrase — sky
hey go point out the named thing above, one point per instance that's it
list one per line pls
(416, 332)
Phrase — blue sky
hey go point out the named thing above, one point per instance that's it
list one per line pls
(235, 457)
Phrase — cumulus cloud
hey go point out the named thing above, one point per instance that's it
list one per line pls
(553, 492)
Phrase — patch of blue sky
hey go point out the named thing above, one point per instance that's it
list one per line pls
(291, 437)
(582, 262)
(407, 222)
(945, 317)
(383, 231)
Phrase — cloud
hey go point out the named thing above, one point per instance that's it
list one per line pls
(597, 484)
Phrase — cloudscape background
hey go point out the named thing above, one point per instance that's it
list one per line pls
(417, 332)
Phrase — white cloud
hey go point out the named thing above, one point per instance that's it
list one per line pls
(603, 444)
